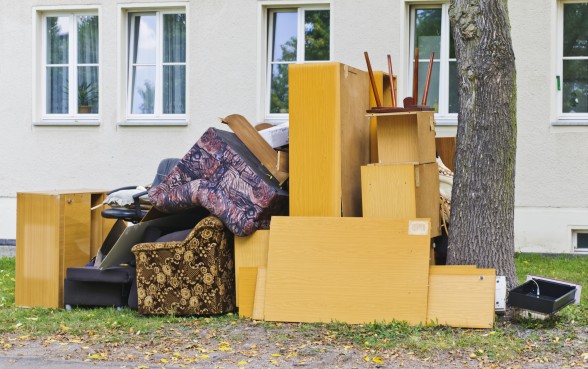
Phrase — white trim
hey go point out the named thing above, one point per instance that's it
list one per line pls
(574, 230)
(572, 118)
(264, 52)
(124, 105)
(39, 99)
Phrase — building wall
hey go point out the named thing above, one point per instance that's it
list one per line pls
(225, 66)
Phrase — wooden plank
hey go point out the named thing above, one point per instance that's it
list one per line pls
(402, 191)
(353, 270)
(329, 138)
(256, 144)
(246, 285)
(250, 251)
(384, 90)
(461, 296)
(259, 300)
(446, 151)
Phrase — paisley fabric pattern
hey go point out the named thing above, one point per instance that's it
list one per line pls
(220, 174)
(192, 277)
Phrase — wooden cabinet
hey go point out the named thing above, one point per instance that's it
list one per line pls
(329, 138)
(55, 230)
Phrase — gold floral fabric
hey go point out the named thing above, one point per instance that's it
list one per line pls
(191, 277)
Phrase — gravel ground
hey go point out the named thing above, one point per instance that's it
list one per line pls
(250, 345)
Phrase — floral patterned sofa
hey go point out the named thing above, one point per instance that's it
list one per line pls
(190, 277)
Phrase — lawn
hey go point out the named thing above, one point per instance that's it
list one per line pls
(562, 337)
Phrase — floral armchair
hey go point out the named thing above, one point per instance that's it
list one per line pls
(190, 277)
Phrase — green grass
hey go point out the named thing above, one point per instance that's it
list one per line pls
(508, 339)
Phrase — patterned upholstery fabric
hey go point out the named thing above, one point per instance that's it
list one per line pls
(220, 174)
(191, 277)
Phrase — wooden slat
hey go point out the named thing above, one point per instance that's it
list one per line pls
(446, 150)
(353, 270)
(246, 286)
(461, 296)
(427, 194)
(250, 251)
(259, 300)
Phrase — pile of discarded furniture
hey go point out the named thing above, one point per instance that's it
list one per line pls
(338, 226)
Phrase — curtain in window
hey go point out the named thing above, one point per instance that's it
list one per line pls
(87, 64)
(57, 59)
(174, 63)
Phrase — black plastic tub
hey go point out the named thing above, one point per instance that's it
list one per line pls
(542, 296)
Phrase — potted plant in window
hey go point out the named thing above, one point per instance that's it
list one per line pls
(87, 95)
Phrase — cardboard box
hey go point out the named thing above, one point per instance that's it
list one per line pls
(276, 136)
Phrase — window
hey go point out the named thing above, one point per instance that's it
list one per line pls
(580, 240)
(70, 65)
(156, 84)
(285, 28)
(429, 29)
(573, 73)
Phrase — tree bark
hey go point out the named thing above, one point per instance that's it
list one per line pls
(482, 212)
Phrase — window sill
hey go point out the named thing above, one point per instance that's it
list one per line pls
(570, 123)
(446, 121)
(68, 123)
(154, 123)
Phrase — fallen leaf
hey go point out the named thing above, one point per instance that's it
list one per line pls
(378, 360)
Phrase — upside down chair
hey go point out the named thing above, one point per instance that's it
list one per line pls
(190, 277)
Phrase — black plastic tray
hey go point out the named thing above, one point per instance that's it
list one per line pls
(551, 298)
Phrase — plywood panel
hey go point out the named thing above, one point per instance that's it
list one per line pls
(353, 270)
(461, 296)
(259, 301)
(389, 191)
(446, 150)
(100, 226)
(250, 251)
(329, 138)
(37, 250)
(246, 285)
(406, 137)
(402, 191)
(383, 87)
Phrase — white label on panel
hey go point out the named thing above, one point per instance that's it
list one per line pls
(418, 227)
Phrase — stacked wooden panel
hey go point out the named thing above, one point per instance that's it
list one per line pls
(354, 270)
(404, 183)
(329, 138)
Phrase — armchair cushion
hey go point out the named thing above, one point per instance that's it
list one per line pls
(190, 277)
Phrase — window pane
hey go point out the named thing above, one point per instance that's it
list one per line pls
(88, 39)
(428, 31)
(174, 38)
(57, 90)
(453, 88)
(57, 40)
(279, 89)
(316, 32)
(575, 29)
(451, 44)
(87, 90)
(145, 39)
(174, 89)
(284, 36)
(143, 90)
(433, 94)
(575, 86)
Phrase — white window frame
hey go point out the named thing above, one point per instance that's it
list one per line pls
(267, 9)
(39, 100)
(565, 118)
(443, 116)
(125, 118)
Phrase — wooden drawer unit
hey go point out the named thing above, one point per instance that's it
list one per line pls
(55, 230)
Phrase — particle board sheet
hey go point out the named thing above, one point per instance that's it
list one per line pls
(329, 138)
(250, 251)
(461, 296)
(246, 285)
(402, 191)
(406, 137)
(385, 94)
(348, 269)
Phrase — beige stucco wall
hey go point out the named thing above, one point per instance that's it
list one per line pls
(224, 73)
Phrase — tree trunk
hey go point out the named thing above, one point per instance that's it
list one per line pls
(482, 212)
